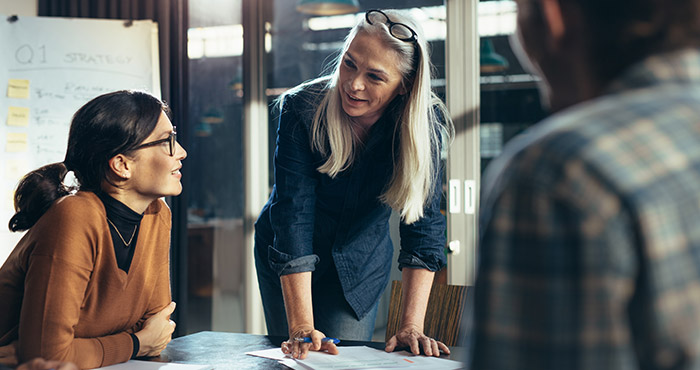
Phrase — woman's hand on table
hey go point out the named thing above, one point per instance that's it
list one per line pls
(41, 364)
(299, 350)
(414, 339)
(157, 332)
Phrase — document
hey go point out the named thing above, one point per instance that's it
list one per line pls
(363, 358)
(426, 362)
(151, 365)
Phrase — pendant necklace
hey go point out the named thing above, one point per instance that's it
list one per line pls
(120, 234)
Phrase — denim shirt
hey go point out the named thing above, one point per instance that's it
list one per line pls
(313, 222)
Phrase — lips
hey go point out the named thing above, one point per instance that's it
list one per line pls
(354, 100)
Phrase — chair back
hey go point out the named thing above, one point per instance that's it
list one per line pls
(443, 317)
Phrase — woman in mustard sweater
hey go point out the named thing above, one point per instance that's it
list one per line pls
(89, 282)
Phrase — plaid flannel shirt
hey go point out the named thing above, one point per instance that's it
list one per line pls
(590, 232)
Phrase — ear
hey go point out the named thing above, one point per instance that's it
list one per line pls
(554, 21)
(120, 166)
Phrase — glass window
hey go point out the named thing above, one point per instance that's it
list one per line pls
(510, 101)
(215, 194)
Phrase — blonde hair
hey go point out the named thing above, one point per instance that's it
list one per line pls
(416, 168)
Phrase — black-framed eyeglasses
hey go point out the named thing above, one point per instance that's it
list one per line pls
(398, 30)
(171, 140)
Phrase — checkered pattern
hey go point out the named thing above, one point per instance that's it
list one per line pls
(590, 232)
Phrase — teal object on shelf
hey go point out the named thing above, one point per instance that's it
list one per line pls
(202, 129)
(213, 116)
(328, 7)
(489, 60)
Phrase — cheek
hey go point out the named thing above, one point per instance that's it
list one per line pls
(159, 168)
(343, 76)
(388, 93)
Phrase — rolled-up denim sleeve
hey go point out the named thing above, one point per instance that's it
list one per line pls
(285, 264)
(292, 209)
(423, 242)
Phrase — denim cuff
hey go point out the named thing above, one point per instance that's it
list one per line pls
(285, 264)
(408, 260)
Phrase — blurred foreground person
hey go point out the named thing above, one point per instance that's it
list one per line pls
(589, 242)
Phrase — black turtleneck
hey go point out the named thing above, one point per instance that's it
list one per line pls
(122, 218)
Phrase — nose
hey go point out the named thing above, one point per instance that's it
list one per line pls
(180, 151)
(357, 84)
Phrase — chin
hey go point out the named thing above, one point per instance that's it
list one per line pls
(352, 112)
(346, 110)
(173, 192)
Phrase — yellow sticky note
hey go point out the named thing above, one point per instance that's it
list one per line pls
(15, 169)
(18, 89)
(18, 116)
(16, 142)
(10, 198)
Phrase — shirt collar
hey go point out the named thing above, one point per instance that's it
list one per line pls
(680, 67)
(118, 211)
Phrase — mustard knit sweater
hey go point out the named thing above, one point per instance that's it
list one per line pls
(62, 295)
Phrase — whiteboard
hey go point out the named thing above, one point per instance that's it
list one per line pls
(50, 67)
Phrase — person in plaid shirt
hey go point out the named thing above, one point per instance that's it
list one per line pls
(590, 221)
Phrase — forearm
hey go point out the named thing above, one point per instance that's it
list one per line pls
(87, 353)
(160, 298)
(416, 291)
(296, 290)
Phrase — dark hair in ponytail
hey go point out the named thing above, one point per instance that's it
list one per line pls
(110, 124)
(36, 192)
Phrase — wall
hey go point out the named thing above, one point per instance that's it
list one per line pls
(19, 7)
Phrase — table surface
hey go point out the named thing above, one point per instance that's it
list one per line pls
(227, 350)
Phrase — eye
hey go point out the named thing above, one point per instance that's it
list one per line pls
(375, 77)
(348, 63)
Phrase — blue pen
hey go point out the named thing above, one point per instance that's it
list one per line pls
(308, 340)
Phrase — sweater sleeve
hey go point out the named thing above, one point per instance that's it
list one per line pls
(160, 298)
(162, 295)
(58, 272)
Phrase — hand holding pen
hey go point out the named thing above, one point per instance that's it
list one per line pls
(303, 340)
(324, 340)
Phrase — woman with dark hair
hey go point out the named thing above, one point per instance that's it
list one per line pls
(89, 282)
(351, 147)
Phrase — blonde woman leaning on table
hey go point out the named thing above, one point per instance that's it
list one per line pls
(351, 146)
(89, 282)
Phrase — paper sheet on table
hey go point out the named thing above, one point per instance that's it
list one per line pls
(272, 353)
(360, 358)
(151, 365)
(276, 354)
(353, 358)
(426, 363)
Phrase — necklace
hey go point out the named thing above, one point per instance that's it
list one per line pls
(120, 234)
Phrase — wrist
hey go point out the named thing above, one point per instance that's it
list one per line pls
(300, 329)
(142, 350)
(410, 325)
(136, 345)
